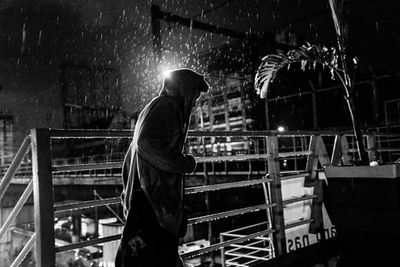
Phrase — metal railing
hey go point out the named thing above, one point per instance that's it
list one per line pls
(39, 142)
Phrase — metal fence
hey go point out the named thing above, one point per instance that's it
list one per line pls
(283, 156)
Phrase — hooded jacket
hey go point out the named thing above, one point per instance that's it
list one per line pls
(155, 161)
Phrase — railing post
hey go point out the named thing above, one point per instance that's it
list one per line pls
(43, 197)
(276, 195)
(371, 146)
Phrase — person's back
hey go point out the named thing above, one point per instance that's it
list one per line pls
(152, 175)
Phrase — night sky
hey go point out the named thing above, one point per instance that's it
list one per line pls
(37, 36)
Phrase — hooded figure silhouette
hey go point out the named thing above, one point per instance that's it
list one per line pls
(153, 175)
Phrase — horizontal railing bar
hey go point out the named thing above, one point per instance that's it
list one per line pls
(388, 150)
(13, 214)
(87, 167)
(24, 252)
(86, 204)
(298, 223)
(88, 243)
(244, 228)
(116, 165)
(262, 133)
(237, 247)
(225, 214)
(230, 173)
(109, 165)
(83, 133)
(385, 134)
(225, 244)
(294, 154)
(298, 199)
(233, 262)
(229, 235)
(92, 133)
(251, 246)
(241, 255)
(221, 186)
(294, 176)
(232, 158)
(12, 169)
(250, 156)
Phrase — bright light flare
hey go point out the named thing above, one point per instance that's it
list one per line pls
(166, 72)
(281, 129)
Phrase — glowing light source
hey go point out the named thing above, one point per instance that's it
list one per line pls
(281, 129)
(166, 72)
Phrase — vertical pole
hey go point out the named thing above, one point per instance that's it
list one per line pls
(207, 202)
(314, 106)
(294, 150)
(267, 123)
(211, 119)
(96, 217)
(156, 30)
(208, 209)
(276, 195)
(312, 159)
(2, 142)
(43, 197)
(227, 126)
(221, 236)
(371, 145)
(243, 104)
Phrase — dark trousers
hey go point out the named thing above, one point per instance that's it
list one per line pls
(144, 243)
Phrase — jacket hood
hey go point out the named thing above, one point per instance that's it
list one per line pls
(185, 86)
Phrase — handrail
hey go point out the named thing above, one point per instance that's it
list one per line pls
(115, 165)
(23, 149)
(88, 243)
(250, 156)
(82, 133)
(294, 176)
(225, 214)
(86, 204)
(298, 223)
(225, 244)
(221, 186)
(298, 199)
(87, 167)
(24, 252)
(11, 217)
(190, 190)
(272, 155)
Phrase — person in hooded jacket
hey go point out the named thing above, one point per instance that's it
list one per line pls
(153, 175)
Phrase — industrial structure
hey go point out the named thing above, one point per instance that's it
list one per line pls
(255, 198)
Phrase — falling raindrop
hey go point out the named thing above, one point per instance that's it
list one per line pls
(39, 38)
(23, 38)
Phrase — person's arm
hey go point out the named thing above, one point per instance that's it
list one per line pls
(160, 139)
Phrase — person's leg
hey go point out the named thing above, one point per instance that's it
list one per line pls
(138, 245)
(168, 249)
